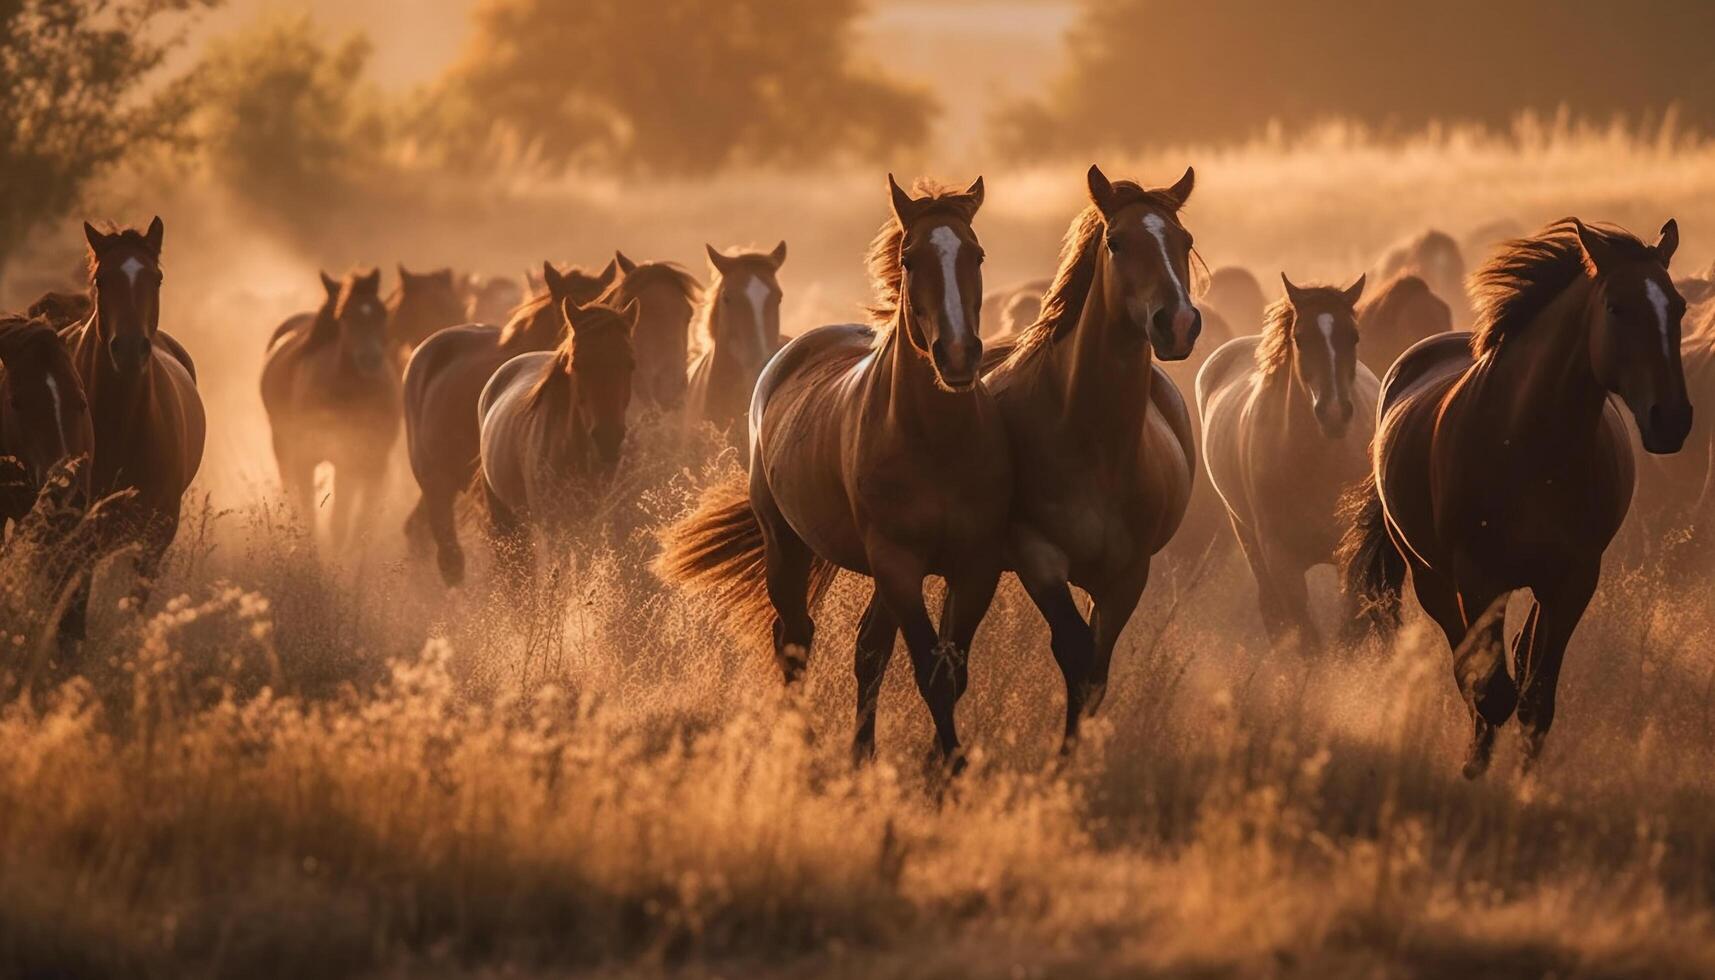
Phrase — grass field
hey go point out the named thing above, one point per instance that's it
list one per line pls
(294, 765)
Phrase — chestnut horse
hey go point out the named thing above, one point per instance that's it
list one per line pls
(422, 304)
(552, 421)
(1501, 464)
(1287, 419)
(1401, 313)
(61, 310)
(666, 296)
(875, 449)
(44, 418)
(1101, 442)
(738, 324)
(444, 380)
(141, 387)
(331, 393)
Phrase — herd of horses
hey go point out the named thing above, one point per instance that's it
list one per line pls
(1478, 437)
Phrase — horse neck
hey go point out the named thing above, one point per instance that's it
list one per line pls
(540, 332)
(102, 384)
(1103, 369)
(1288, 404)
(913, 400)
(1540, 379)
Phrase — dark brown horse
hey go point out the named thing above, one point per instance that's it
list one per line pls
(1501, 464)
(1401, 313)
(444, 380)
(1101, 441)
(1434, 257)
(1287, 419)
(141, 388)
(422, 304)
(874, 449)
(738, 325)
(1674, 507)
(61, 310)
(332, 396)
(1236, 295)
(552, 421)
(44, 418)
(666, 296)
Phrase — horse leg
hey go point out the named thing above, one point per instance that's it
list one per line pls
(371, 487)
(347, 487)
(937, 665)
(1044, 572)
(970, 592)
(418, 537)
(1114, 604)
(1479, 669)
(157, 537)
(1558, 610)
(514, 554)
(1293, 595)
(877, 632)
(298, 478)
(1275, 620)
(438, 513)
(788, 560)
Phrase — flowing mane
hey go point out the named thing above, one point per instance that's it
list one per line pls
(1064, 302)
(523, 315)
(1526, 274)
(603, 322)
(885, 273)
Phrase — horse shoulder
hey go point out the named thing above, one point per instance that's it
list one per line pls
(1423, 363)
(1234, 359)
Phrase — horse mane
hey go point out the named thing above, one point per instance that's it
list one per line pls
(1063, 303)
(523, 315)
(1524, 275)
(886, 275)
(558, 378)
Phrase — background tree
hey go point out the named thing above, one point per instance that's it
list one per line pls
(1142, 72)
(287, 120)
(675, 86)
(75, 98)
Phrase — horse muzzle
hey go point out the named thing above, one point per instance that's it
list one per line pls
(129, 355)
(1664, 428)
(1333, 415)
(1173, 333)
(957, 364)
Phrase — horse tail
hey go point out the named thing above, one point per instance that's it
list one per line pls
(1371, 566)
(717, 550)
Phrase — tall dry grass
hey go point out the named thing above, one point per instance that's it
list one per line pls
(300, 764)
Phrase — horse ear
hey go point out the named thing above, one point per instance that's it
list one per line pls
(623, 262)
(1293, 293)
(372, 279)
(330, 284)
(1596, 254)
(1668, 243)
(404, 273)
(96, 239)
(974, 195)
(532, 281)
(778, 256)
(610, 273)
(552, 279)
(1101, 189)
(1180, 192)
(904, 207)
(154, 234)
(717, 261)
(1355, 291)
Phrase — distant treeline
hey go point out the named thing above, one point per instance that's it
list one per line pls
(1141, 72)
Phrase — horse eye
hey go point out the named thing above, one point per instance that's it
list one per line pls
(1113, 244)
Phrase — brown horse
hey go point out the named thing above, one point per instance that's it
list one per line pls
(1501, 464)
(738, 324)
(443, 382)
(1101, 442)
(1236, 295)
(490, 299)
(552, 421)
(332, 396)
(61, 310)
(422, 304)
(1287, 419)
(1434, 257)
(666, 295)
(874, 449)
(44, 417)
(144, 408)
(1404, 311)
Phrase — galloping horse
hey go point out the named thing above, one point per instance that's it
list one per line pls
(44, 418)
(141, 387)
(444, 380)
(874, 449)
(61, 310)
(738, 323)
(666, 295)
(1102, 448)
(1287, 419)
(1401, 313)
(551, 420)
(422, 304)
(332, 396)
(1501, 464)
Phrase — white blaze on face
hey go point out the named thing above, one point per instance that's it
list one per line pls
(1325, 323)
(1157, 226)
(131, 267)
(757, 292)
(947, 244)
(1658, 299)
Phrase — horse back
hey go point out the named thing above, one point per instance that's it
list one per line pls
(444, 381)
(1430, 360)
(823, 350)
(511, 445)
